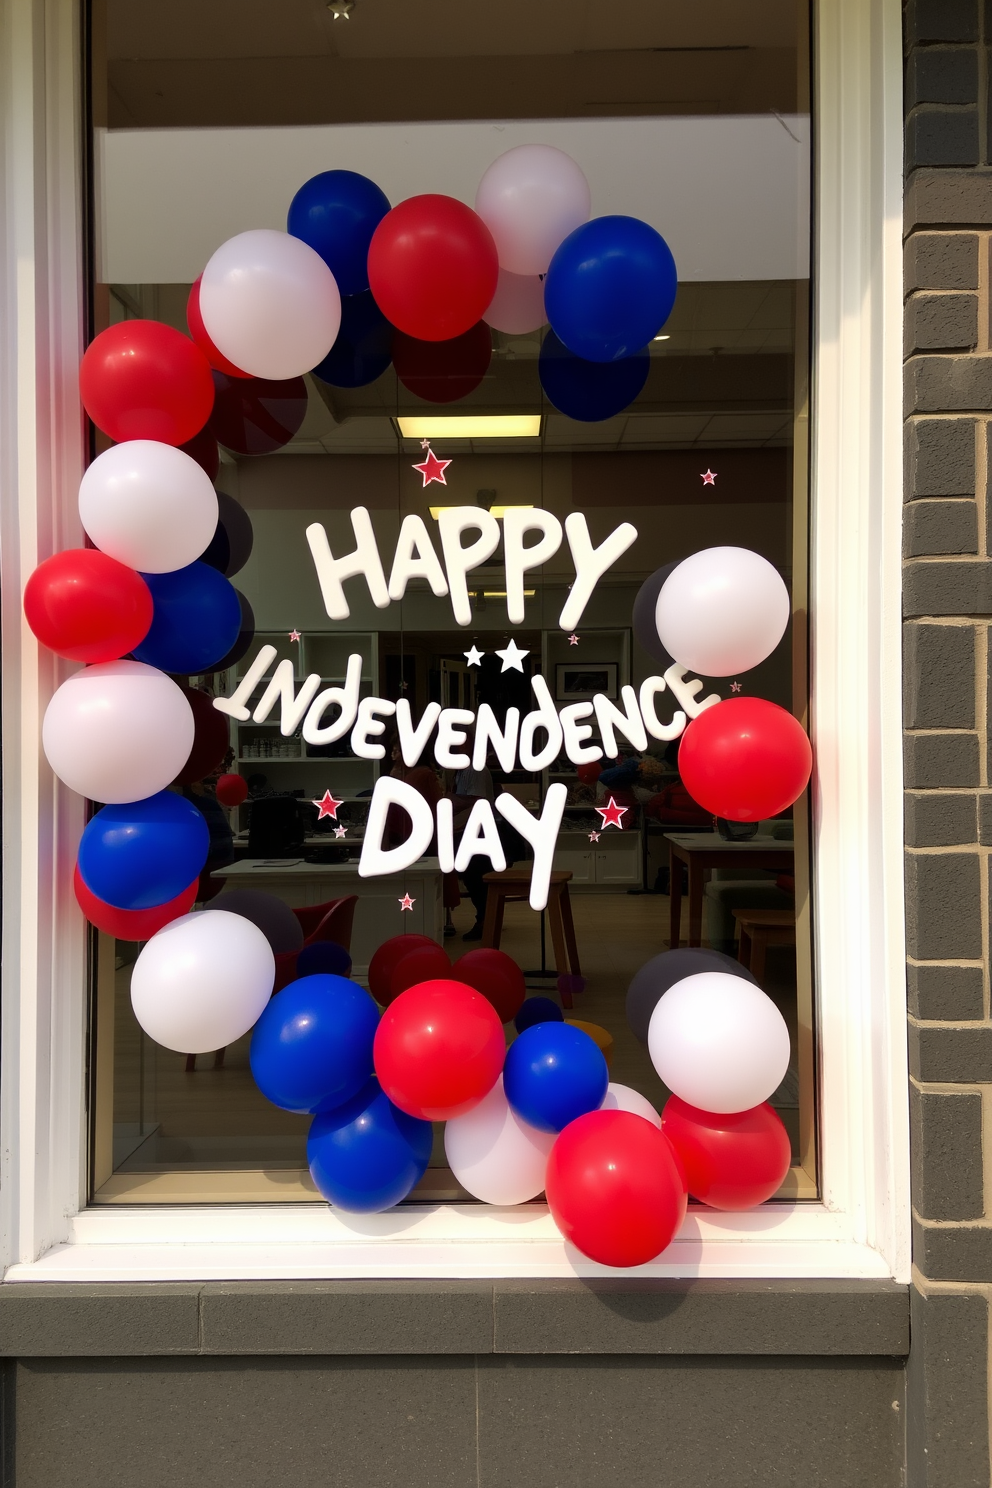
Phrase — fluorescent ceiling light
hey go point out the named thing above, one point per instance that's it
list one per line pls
(473, 426)
(662, 338)
(499, 512)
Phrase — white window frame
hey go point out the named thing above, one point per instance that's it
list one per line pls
(861, 1227)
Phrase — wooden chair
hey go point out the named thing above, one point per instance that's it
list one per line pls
(514, 884)
(761, 928)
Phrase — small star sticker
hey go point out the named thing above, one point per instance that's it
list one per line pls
(341, 9)
(432, 469)
(406, 902)
(404, 686)
(611, 813)
(327, 806)
(473, 656)
(294, 635)
(594, 836)
(735, 687)
(709, 478)
(340, 831)
(573, 639)
(513, 656)
(425, 444)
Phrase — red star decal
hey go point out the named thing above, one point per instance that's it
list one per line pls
(327, 806)
(611, 813)
(432, 469)
(294, 635)
(708, 477)
(406, 902)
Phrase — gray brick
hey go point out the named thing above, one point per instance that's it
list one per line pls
(938, 820)
(935, 588)
(938, 135)
(941, 20)
(939, 676)
(946, 1151)
(945, 994)
(985, 819)
(933, 761)
(945, 321)
(46, 1318)
(942, 75)
(940, 261)
(947, 1432)
(953, 1252)
(943, 915)
(934, 528)
(948, 384)
(940, 457)
(948, 198)
(950, 1056)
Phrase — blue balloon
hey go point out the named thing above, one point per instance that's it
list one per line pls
(538, 1010)
(589, 391)
(323, 956)
(610, 287)
(336, 213)
(144, 853)
(196, 622)
(368, 1154)
(312, 1046)
(554, 1073)
(364, 346)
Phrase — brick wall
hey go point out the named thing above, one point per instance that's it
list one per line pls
(948, 610)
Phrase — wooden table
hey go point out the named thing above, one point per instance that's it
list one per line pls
(704, 851)
(761, 928)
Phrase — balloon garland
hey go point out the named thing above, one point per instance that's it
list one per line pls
(353, 285)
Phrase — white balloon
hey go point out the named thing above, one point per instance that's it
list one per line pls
(495, 1155)
(118, 731)
(722, 611)
(622, 1098)
(530, 199)
(203, 981)
(718, 1042)
(518, 304)
(270, 304)
(148, 505)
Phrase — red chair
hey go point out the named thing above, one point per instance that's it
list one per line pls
(331, 921)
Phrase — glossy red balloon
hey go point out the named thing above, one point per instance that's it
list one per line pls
(731, 1161)
(211, 737)
(497, 976)
(614, 1188)
(85, 605)
(432, 267)
(231, 790)
(256, 416)
(443, 371)
(386, 957)
(423, 964)
(198, 331)
(131, 924)
(203, 449)
(745, 759)
(143, 380)
(438, 1050)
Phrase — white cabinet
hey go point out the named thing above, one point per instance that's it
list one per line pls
(614, 862)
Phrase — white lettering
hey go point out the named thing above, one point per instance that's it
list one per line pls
(590, 563)
(331, 571)
(542, 834)
(518, 560)
(546, 717)
(235, 704)
(371, 711)
(629, 723)
(458, 561)
(415, 558)
(345, 697)
(377, 860)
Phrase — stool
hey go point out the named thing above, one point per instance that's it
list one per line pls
(514, 884)
(761, 928)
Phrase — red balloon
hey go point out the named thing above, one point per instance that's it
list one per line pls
(386, 957)
(143, 380)
(131, 924)
(432, 267)
(203, 449)
(745, 759)
(87, 606)
(422, 964)
(614, 1188)
(497, 976)
(443, 371)
(211, 737)
(231, 790)
(198, 331)
(731, 1161)
(255, 416)
(438, 1050)
(590, 773)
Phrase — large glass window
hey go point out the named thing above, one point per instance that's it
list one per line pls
(697, 122)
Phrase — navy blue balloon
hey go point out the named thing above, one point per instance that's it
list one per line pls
(336, 213)
(538, 1010)
(364, 346)
(196, 622)
(144, 853)
(312, 1046)
(589, 391)
(368, 1154)
(554, 1073)
(324, 956)
(610, 288)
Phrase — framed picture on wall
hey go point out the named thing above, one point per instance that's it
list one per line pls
(577, 682)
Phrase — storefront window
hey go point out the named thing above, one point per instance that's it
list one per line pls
(698, 124)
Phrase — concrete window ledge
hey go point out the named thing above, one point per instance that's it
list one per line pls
(326, 1318)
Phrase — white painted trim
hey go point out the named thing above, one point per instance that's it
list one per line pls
(862, 1227)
